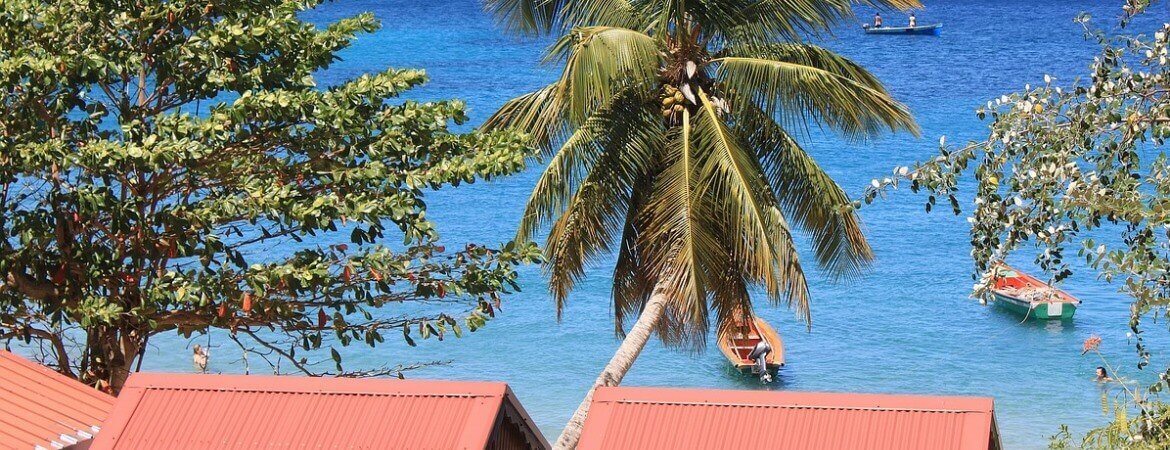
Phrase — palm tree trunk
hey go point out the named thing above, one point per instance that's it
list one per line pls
(621, 362)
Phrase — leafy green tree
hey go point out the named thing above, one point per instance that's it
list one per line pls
(173, 167)
(1078, 172)
(668, 137)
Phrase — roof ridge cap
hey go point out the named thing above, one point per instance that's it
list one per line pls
(798, 406)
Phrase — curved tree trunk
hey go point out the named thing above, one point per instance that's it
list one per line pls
(622, 359)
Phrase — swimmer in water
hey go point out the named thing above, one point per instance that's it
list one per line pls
(1102, 375)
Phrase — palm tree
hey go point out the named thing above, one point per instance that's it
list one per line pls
(668, 138)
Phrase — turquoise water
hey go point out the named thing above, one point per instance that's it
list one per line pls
(908, 326)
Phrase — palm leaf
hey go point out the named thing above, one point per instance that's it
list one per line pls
(614, 13)
(595, 214)
(800, 93)
(807, 194)
(806, 55)
(733, 22)
(526, 17)
(633, 277)
(537, 17)
(760, 244)
(677, 239)
(540, 113)
(602, 61)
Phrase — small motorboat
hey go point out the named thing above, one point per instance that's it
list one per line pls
(931, 30)
(1026, 295)
(737, 343)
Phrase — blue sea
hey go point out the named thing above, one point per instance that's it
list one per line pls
(907, 326)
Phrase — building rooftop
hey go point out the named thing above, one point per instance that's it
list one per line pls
(660, 418)
(180, 411)
(41, 408)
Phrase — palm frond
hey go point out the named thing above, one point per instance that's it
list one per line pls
(733, 22)
(730, 299)
(901, 5)
(807, 195)
(594, 215)
(602, 61)
(800, 93)
(760, 21)
(538, 17)
(633, 278)
(568, 166)
(678, 239)
(806, 55)
(526, 17)
(540, 113)
(760, 245)
(613, 13)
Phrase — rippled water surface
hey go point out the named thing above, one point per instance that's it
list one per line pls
(907, 326)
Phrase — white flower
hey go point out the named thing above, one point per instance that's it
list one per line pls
(875, 184)
(903, 170)
(1047, 79)
(1101, 249)
(942, 141)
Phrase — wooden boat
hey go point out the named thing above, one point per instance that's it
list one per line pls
(1027, 295)
(737, 343)
(931, 29)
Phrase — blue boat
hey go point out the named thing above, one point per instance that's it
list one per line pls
(931, 29)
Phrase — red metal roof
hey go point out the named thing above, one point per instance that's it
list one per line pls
(42, 408)
(654, 418)
(183, 411)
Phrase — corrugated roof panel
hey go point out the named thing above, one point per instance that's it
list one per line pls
(179, 412)
(40, 407)
(658, 418)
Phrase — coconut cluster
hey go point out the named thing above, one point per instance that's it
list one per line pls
(672, 104)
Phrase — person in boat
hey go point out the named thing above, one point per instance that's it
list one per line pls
(1102, 375)
(913, 21)
(877, 20)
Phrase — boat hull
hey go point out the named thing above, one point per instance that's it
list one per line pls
(735, 348)
(925, 30)
(1037, 310)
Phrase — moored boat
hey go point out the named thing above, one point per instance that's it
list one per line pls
(738, 342)
(1027, 295)
(931, 29)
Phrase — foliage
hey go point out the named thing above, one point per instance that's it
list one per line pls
(670, 141)
(173, 167)
(1078, 172)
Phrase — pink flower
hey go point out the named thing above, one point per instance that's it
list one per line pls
(1091, 344)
